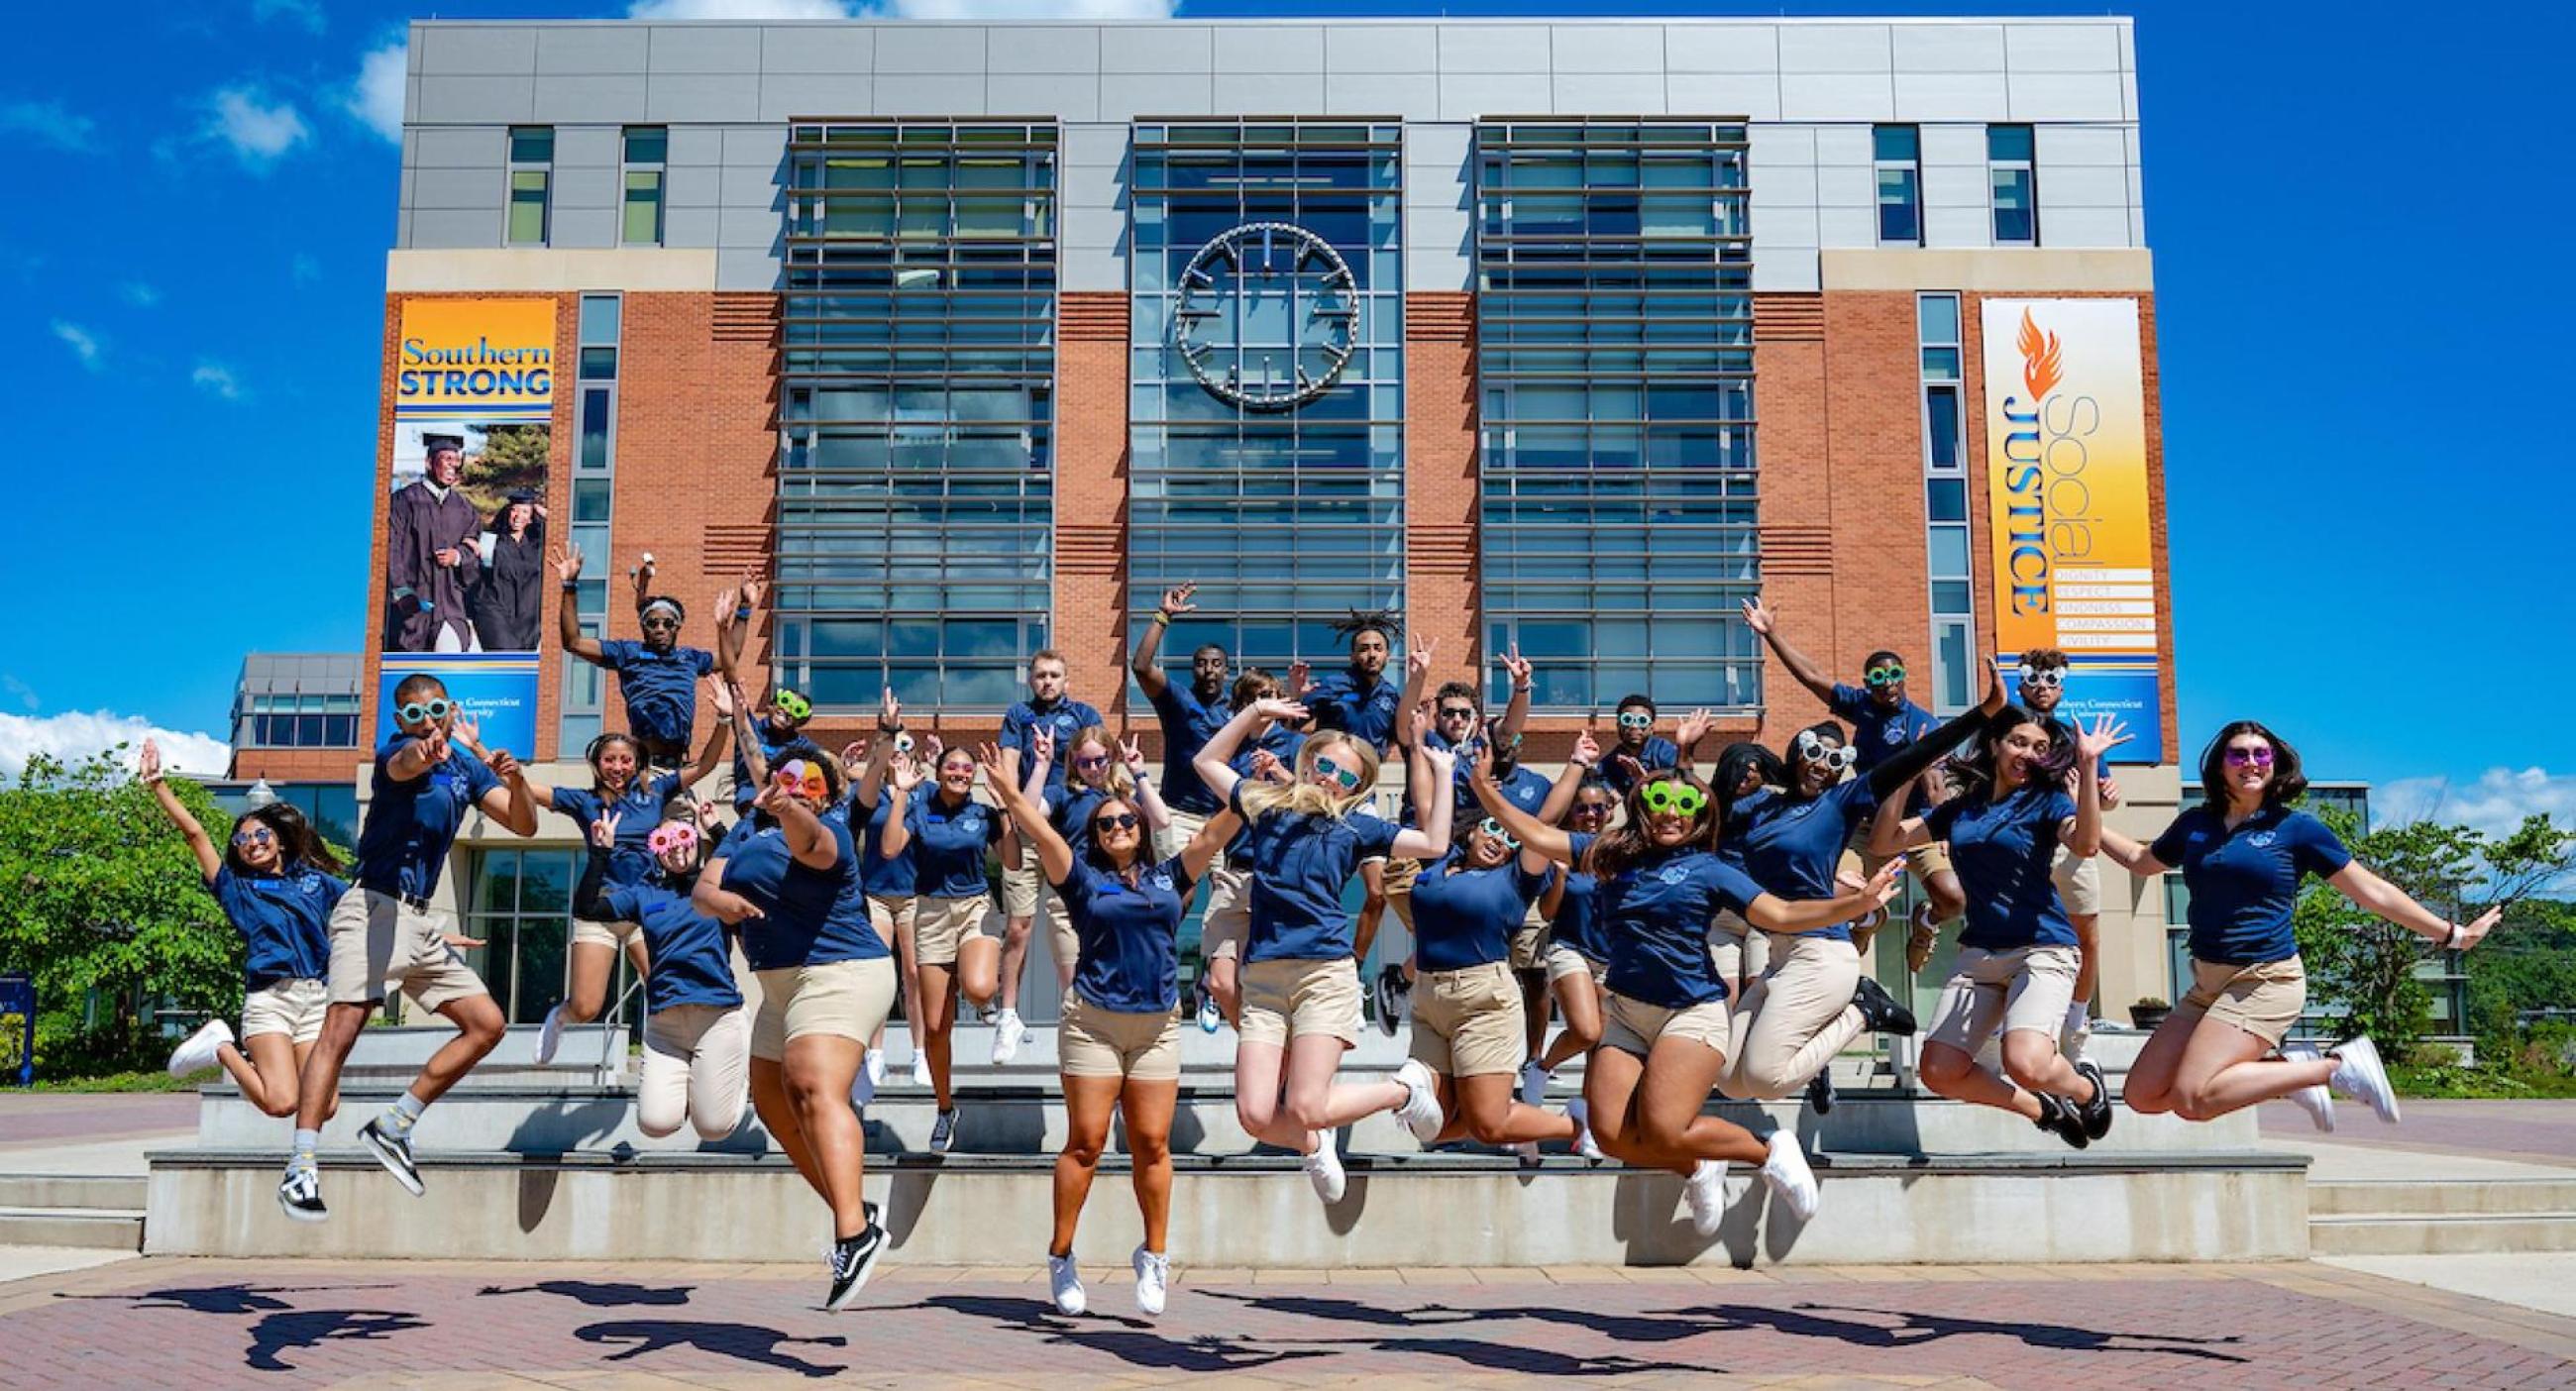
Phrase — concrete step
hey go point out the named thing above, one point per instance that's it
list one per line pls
(408, 1046)
(1411, 1210)
(2441, 1198)
(94, 1191)
(95, 1229)
(2444, 1235)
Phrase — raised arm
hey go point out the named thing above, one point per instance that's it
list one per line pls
(902, 778)
(734, 621)
(1157, 816)
(1203, 848)
(641, 577)
(1417, 680)
(1433, 801)
(567, 561)
(514, 802)
(1806, 673)
(2375, 895)
(147, 771)
(807, 840)
(590, 896)
(719, 739)
(753, 760)
(1915, 760)
(1772, 913)
(1578, 766)
(1892, 831)
(1534, 835)
(1149, 644)
(1516, 713)
(1211, 763)
(1028, 816)
(2084, 836)
(1034, 785)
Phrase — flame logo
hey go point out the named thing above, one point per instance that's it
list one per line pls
(2041, 368)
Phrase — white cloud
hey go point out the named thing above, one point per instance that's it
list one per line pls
(376, 97)
(305, 12)
(76, 734)
(2496, 803)
(259, 133)
(1029, 9)
(85, 345)
(215, 379)
(51, 123)
(139, 294)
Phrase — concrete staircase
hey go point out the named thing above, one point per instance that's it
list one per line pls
(80, 1210)
(2441, 1217)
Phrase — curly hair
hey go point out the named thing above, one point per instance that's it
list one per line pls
(1379, 621)
(1626, 844)
(1973, 772)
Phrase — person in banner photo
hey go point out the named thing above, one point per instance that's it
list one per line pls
(508, 598)
(430, 555)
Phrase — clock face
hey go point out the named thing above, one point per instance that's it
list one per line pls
(1267, 316)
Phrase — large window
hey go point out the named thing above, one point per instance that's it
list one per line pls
(1287, 512)
(519, 904)
(646, 150)
(916, 469)
(1615, 355)
(594, 468)
(1897, 156)
(2015, 181)
(284, 721)
(532, 160)
(1945, 508)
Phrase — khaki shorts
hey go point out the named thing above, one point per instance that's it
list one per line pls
(2263, 999)
(697, 1069)
(1096, 1042)
(1228, 920)
(609, 935)
(1739, 950)
(1468, 1023)
(1924, 860)
(1283, 1000)
(1633, 1026)
(2025, 989)
(1400, 875)
(848, 999)
(377, 938)
(1529, 949)
(1563, 961)
(290, 1007)
(2079, 882)
(892, 916)
(1185, 828)
(1023, 885)
(941, 925)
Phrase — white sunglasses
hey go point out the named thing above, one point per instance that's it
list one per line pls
(1814, 749)
(2046, 677)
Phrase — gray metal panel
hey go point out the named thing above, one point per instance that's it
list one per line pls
(1753, 95)
(1093, 143)
(702, 97)
(2067, 97)
(918, 50)
(1784, 227)
(592, 98)
(1492, 48)
(1957, 186)
(1092, 226)
(1439, 147)
(1057, 49)
(1181, 51)
(1950, 96)
(1781, 183)
(457, 188)
(1812, 48)
(1949, 47)
(2063, 47)
(1956, 227)
(585, 188)
(1836, 97)
(582, 227)
(747, 227)
(2083, 226)
(589, 146)
(762, 146)
(440, 229)
(690, 186)
(1097, 186)
(1842, 145)
(705, 48)
(1065, 96)
(689, 227)
(477, 49)
(739, 268)
(811, 48)
(1091, 268)
(457, 147)
(1125, 97)
(469, 100)
(2083, 186)
(1790, 271)
(786, 95)
(1778, 144)
(1739, 48)
(1607, 94)
(696, 145)
(1408, 95)
(928, 94)
(1845, 186)
(1605, 48)
(743, 186)
(593, 48)
(1274, 49)
(1381, 48)
(1269, 94)
(1954, 144)
(1844, 227)
(1473, 97)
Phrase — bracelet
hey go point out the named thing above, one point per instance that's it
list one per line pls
(1162, 619)
(570, 585)
(743, 612)
(2451, 938)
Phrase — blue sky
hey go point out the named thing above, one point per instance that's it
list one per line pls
(2362, 307)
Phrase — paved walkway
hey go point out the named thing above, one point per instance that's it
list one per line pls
(2524, 1132)
(35, 1121)
(421, 1324)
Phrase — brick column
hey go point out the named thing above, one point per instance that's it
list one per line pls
(1443, 598)
(1089, 623)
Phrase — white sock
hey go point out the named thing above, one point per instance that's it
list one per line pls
(405, 1112)
(307, 1144)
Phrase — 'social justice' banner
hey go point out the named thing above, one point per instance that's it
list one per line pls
(496, 690)
(476, 359)
(2066, 451)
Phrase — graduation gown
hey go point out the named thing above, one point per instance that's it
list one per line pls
(421, 524)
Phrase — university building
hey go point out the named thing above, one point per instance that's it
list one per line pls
(1566, 334)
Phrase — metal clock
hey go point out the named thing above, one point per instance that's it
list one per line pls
(1267, 317)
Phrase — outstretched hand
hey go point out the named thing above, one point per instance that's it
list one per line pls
(1886, 883)
(1587, 751)
(567, 562)
(1301, 679)
(147, 765)
(1418, 654)
(1176, 600)
(2106, 734)
(2472, 933)
(1693, 728)
(1517, 666)
(1758, 618)
(1276, 709)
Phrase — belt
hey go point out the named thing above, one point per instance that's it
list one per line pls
(414, 902)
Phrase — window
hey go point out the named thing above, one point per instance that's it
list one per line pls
(1896, 152)
(1615, 355)
(646, 148)
(2008, 165)
(532, 157)
(1947, 547)
(519, 904)
(286, 720)
(577, 715)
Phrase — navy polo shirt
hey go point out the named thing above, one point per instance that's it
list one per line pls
(1792, 846)
(2245, 882)
(1654, 756)
(411, 825)
(661, 688)
(888, 876)
(1465, 917)
(772, 743)
(1127, 962)
(1062, 719)
(1879, 733)
(639, 813)
(948, 846)
(1188, 723)
(1577, 923)
(2001, 851)
(1366, 713)
(284, 920)
(1657, 913)
(1299, 865)
(813, 916)
(686, 960)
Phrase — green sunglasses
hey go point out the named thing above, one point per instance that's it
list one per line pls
(790, 704)
(1668, 796)
(1884, 676)
(1348, 777)
(420, 710)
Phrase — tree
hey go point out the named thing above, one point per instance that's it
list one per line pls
(100, 903)
(2367, 965)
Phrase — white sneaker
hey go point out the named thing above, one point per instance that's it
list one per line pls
(875, 1069)
(1528, 1152)
(2316, 1100)
(1210, 1017)
(2075, 1033)
(863, 1089)
(1790, 1178)
(198, 1052)
(1066, 1284)
(1153, 1277)
(1324, 1170)
(1533, 1083)
(550, 1035)
(920, 1068)
(1006, 1037)
(1580, 1112)
(2359, 1075)
(1706, 1191)
(1420, 1109)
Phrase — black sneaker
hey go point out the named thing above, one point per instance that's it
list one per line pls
(2058, 1117)
(2095, 1114)
(852, 1259)
(394, 1152)
(1820, 1092)
(1388, 996)
(300, 1193)
(1880, 1011)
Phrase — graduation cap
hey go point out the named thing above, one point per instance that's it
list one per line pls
(431, 444)
(519, 495)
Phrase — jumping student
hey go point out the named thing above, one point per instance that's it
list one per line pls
(657, 677)
(1358, 700)
(787, 878)
(2243, 853)
(1228, 917)
(1120, 1043)
(275, 881)
(1189, 715)
(1663, 1045)
(2079, 880)
(893, 882)
(1102, 769)
(1051, 710)
(2017, 960)
(1305, 838)
(428, 772)
(1578, 949)
(1883, 722)
(1743, 770)
(697, 1035)
(1640, 751)
(948, 834)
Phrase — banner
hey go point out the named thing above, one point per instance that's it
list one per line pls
(496, 690)
(476, 359)
(2066, 452)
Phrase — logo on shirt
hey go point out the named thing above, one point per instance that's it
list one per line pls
(2260, 840)
(309, 883)
(1162, 882)
(1672, 874)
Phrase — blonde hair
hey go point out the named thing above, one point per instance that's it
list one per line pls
(1120, 783)
(1305, 797)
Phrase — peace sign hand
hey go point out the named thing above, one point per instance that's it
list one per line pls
(603, 831)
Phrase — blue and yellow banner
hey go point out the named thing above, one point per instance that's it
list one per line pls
(2074, 551)
(476, 359)
(496, 690)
